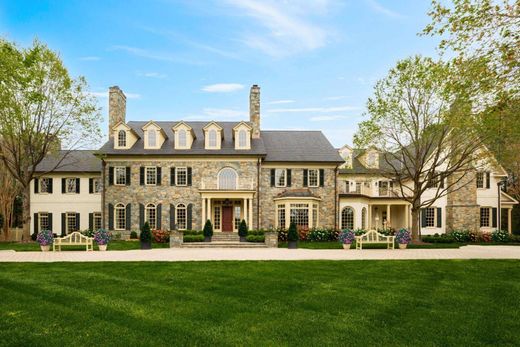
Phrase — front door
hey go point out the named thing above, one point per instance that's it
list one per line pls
(227, 218)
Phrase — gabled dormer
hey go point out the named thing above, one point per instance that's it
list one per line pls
(183, 135)
(346, 153)
(154, 136)
(370, 158)
(242, 136)
(213, 135)
(124, 136)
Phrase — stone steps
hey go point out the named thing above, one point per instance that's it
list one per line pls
(225, 237)
(223, 244)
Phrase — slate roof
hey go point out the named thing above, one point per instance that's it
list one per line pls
(299, 146)
(70, 161)
(359, 168)
(296, 193)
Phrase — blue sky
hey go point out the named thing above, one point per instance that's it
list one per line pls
(315, 60)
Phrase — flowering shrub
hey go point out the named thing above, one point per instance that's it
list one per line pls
(320, 235)
(461, 235)
(403, 237)
(44, 238)
(346, 237)
(102, 237)
(442, 238)
(485, 237)
(161, 236)
(282, 235)
(387, 231)
(88, 233)
(303, 232)
(500, 236)
(359, 232)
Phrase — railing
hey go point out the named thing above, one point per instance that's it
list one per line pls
(356, 189)
(213, 185)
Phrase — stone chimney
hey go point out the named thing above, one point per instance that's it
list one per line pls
(254, 110)
(116, 108)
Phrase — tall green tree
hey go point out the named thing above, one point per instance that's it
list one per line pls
(418, 122)
(41, 107)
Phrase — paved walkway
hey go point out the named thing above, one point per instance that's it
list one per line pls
(208, 254)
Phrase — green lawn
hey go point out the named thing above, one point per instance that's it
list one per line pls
(337, 245)
(113, 245)
(305, 303)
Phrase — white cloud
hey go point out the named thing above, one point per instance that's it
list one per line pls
(326, 118)
(222, 87)
(105, 95)
(287, 27)
(90, 58)
(278, 102)
(314, 109)
(152, 75)
(374, 5)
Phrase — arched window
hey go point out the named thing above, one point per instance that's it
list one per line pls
(182, 138)
(120, 217)
(364, 218)
(121, 138)
(242, 138)
(347, 218)
(212, 138)
(151, 216)
(227, 179)
(181, 216)
(152, 138)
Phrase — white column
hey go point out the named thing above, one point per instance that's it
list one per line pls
(203, 211)
(509, 226)
(388, 221)
(369, 217)
(244, 210)
(406, 217)
(208, 210)
(250, 213)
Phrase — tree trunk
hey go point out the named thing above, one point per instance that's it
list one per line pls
(415, 224)
(26, 214)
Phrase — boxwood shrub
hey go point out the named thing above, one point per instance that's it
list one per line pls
(442, 238)
(255, 238)
(193, 238)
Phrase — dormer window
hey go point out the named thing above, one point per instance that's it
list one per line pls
(213, 136)
(371, 160)
(182, 138)
(212, 141)
(152, 138)
(121, 138)
(242, 138)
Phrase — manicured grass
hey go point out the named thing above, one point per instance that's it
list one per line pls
(306, 303)
(113, 245)
(337, 245)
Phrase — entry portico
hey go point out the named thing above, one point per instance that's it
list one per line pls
(226, 208)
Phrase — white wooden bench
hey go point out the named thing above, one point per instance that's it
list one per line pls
(373, 237)
(73, 239)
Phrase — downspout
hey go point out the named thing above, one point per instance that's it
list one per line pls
(103, 174)
(336, 198)
(258, 164)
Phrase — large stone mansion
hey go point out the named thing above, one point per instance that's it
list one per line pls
(178, 174)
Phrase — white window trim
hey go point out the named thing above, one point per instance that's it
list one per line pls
(118, 139)
(317, 178)
(177, 176)
(147, 209)
(484, 180)
(115, 175)
(490, 218)
(434, 218)
(353, 217)
(116, 208)
(40, 220)
(67, 185)
(150, 145)
(276, 184)
(67, 214)
(96, 215)
(236, 177)
(146, 175)
(94, 179)
(40, 185)
(179, 207)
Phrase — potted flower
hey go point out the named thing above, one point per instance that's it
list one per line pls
(146, 237)
(346, 238)
(45, 240)
(242, 231)
(102, 237)
(292, 236)
(208, 231)
(403, 238)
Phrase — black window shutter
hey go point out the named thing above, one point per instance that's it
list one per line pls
(110, 176)
(77, 185)
(189, 213)
(141, 216)
(128, 216)
(36, 223)
(159, 217)
(322, 177)
(495, 217)
(141, 176)
(63, 226)
(91, 221)
(189, 176)
(77, 221)
(439, 217)
(488, 180)
(305, 177)
(172, 217)
(159, 175)
(63, 183)
(50, 221)
(288, 177)
(273, 177)
(36, 181)
(110, 217)
(128, 176)
(90, 185)
(172, 176)
(423, 217)
(50, 185)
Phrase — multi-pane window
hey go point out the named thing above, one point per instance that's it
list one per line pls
(121, 138)
(485, 217)
(43, 221)
(371, 160)
(151, 216)
(358, 188)
(71, 222)
(300, 215)
(281, 216)
(383, 188)
(347, 218)
(182, 138)
(237, 216)
(481, 178)
(152, 138)
(429, 217)
(242, 139)
(280, 176)
(347, 186)
(70, 185)
(181, 217)
(151, 175)
(45, 185)
(315, 215)
(216, 217)
(181, 176)
(212, 142)
(227, 179)
(363, 218)
(314, 177)
(120, 173)
(96, 185)
(120, 217)
(97, 220)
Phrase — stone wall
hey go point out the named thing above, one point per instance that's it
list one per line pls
(254, 110)
(462, 210)
(116, 108)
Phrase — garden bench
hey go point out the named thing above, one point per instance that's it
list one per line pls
(74, 239)
(373, 237)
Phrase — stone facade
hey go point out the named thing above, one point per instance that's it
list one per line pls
(462, 210)
(116, 108)
(254, 110)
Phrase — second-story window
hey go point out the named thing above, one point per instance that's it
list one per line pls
(182, 138)
(96, 185)
(70, 185)
(152, 138)
(181, 178)
(314, 177)
(242, 139)
(372, 159)
(483, 180)
(212, 141)
(121, 138)
(227, 179)
(45, 185)
(151, 175)
(280, 177)
(120, 173)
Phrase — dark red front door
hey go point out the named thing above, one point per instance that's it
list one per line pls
(227, 218)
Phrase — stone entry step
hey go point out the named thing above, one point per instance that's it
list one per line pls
(223, 244)
(225, 237)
